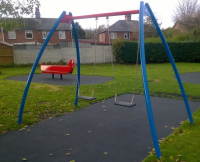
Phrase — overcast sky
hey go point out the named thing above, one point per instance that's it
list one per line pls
(52, 9)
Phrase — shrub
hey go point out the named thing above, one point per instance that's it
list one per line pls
(129, 52)
(155, 52)
(117, 46)
(171, 32)
(61, 61)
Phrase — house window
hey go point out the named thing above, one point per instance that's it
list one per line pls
(126, 35)
(29, 34)
(45, 34)
(113, 35)
(11, 35)
(61, 34)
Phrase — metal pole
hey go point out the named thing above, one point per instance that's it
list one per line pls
(35, 65)
(78, 60)
(172, 62)
(145, 82)
(68, 17)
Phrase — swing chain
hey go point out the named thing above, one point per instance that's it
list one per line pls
(113, 75)
(95, 37)
(71, 36)
(79, 92)
(136, 67)
(72, 45)
(94, 82)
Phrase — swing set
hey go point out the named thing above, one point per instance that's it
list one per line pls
(92, 97)
(145, 10)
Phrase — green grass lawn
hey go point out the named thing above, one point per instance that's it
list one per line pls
(47, 101)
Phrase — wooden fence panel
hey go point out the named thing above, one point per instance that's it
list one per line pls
(6, 55)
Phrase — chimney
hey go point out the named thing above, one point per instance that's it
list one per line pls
(37, 13)
(128, 18)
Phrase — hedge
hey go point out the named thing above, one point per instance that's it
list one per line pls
(155, 52)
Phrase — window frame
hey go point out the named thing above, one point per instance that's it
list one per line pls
(9, 35)
(28, 32)
(126, 35)
(46, 33)
(113, 35)
(62, 34)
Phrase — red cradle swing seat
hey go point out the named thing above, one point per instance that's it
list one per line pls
(58, 69)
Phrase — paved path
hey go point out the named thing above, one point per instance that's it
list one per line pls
(67, 79)
(190, 77)
(122, 132)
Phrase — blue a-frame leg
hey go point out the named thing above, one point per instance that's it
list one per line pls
(145, 82)
(78, 60)
(35, 65)
(38, 59)
(144, 74)
(172, 62)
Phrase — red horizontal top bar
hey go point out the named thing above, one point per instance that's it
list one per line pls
(67, 18)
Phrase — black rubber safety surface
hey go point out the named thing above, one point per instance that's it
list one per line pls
(190, 77)
(67, 79)
(100, 132)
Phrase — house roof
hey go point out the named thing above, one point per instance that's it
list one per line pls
(43, 24)
(123, 26)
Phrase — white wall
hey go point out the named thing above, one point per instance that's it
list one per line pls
(87, 54)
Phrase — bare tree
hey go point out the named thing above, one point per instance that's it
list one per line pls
(101, 28)
(187, 14)
(80, 31)
(90, 33)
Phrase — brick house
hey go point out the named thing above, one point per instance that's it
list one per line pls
(126, 29)
(36, 31)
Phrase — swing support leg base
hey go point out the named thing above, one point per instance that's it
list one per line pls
(127, 104)
(86, 97)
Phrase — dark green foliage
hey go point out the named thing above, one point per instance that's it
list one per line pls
(62, 61)
(80, 31)
(155, 52)
(149, 28)
(118, 45)
(186, 52)
(129, 52)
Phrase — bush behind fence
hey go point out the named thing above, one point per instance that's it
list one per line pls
(155, 52)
